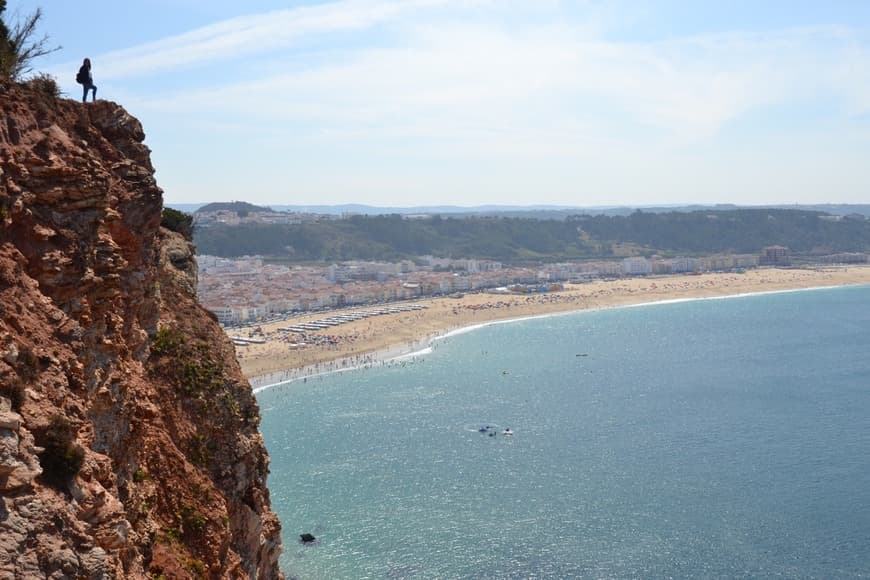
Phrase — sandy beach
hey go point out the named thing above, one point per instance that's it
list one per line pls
(282, 357)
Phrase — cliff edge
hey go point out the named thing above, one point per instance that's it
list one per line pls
(129, 440)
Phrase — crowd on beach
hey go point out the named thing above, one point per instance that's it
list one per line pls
(359, 361)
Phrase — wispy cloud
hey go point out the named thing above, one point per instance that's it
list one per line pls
(461, 79)
(473, 80)
(257, 34)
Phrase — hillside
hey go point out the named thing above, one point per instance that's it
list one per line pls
(577, 237)
(129, 441)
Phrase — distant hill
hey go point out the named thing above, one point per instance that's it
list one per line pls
(840, 209)
(185, 207)
(235, 206)
(515, 239)
(557, 212)
(424, 209)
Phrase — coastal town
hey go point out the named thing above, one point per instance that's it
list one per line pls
(250, 289)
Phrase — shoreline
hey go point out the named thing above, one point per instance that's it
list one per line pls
(340, 365)
(424, 346)
(387, 339)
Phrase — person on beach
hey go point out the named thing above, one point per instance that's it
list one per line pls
(85, 78)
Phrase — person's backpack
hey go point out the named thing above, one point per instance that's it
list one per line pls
(82, 76)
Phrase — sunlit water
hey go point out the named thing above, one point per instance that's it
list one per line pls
(715, 438)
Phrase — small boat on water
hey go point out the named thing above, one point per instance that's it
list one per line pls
(507, 431)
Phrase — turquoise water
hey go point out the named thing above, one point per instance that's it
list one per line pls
(716, 439)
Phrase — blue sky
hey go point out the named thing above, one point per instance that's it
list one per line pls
(469, 102)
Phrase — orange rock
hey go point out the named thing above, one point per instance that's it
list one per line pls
(173, 470)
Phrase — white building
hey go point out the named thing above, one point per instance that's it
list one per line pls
(636, 266)
(679, 265)
(225, 314)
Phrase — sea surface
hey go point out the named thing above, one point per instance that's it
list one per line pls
(725, 438)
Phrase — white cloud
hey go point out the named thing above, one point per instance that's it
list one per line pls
(551, 96)
(851, 77)
(257, 33)
(451, 79)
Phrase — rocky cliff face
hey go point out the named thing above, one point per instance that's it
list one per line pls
(129, 441)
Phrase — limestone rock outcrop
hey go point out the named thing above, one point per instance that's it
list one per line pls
(129, 439)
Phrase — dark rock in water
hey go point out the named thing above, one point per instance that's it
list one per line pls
(307, 538)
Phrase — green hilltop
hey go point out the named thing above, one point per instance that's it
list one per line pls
(239, 207)
(514, 240)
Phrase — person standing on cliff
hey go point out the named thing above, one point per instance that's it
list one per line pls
(87, 81)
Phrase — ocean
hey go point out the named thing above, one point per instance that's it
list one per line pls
(718, 438)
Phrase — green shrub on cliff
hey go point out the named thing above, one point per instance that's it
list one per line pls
(193, 368)
(166, 340)
(178, 221)
(45, 84)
